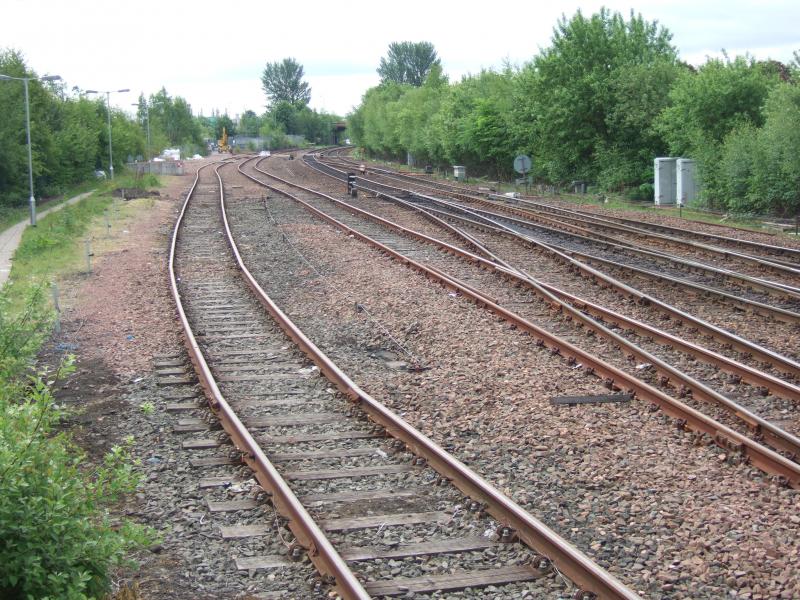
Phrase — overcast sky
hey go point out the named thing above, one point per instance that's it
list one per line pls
(213, 54)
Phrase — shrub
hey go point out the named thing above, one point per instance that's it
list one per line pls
(57, 539)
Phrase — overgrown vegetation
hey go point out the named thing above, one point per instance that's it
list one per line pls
(57, 536)
(69, 134)
(598, 105)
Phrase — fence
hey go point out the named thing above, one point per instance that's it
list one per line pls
(166, 167)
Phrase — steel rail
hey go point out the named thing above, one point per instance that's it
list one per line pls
(569, 560)
(755, 306)
(609, 224)
(762, 457)
(777, 437)
(467, 195)
(770, 288)
(748, 374)
(307, 532)
(558, 227)
(727, 338)
(768, 248)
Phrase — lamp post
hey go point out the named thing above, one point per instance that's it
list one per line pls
(108, 107)
(25, 80)
(146, 116)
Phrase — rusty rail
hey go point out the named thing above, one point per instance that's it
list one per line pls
(307, 532)
(767, 460)
(568, 559)
(733, 341)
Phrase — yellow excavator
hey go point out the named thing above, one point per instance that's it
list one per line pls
(222, 145)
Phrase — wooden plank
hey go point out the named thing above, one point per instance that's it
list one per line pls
(323, 454)
(363, 496)
(183, 406)
(320, 437)
(232, 505)
(164, 371)
(247, 365)
(214, 461)
(215, 337)
(603, 398)
(182, 394)
(209, 482)
(453, 581)
(297, 420)
(452, 545)
(173, 380)
(252, 353)
(243, 531)
(201, 444)
(191, 428)
(289, 401)
(346, 473)
(259, 377)
(350, 523)
(174, 362)
(261, 563)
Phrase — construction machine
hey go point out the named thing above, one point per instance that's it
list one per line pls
(222, 144)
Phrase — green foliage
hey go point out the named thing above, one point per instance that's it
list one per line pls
(172, 124)
(249, 124)
(580, 119)
(283, 82)
(283, 119)
(760, 167)
(706, 106)
(58, 540)
(408, 62)
(69, 136)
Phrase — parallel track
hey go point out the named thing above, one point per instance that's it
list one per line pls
(207, 282)
(615, 378)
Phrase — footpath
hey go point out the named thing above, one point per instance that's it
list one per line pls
(10, 238)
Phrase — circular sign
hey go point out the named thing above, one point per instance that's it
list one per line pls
(522, 164)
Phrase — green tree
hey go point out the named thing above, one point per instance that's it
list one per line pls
(408, 62)
(760, 167)
(568, 95)
(224, 121)
(707, 105)
(283, 82)
(249, 124)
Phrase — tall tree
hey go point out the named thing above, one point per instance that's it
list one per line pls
(571, 97)
(283, 82)
(408, 62)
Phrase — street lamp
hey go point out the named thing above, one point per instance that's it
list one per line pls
(146, 116)
(108, 106)
(25, 80)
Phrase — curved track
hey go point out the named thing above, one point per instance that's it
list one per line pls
(251, 382)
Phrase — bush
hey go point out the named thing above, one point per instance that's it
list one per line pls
(57, 539)
(644, 192)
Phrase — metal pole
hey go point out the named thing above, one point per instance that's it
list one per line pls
(147, 113)
(110, 154)
(31, 200)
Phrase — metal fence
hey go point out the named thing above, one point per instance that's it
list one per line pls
(166, 167)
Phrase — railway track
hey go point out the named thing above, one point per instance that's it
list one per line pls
(655, 286)
(745, 292)
(765, 256)
(353, 221)
(268, 399)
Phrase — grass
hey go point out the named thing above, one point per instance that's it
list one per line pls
(12, 215)
(55, 248)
